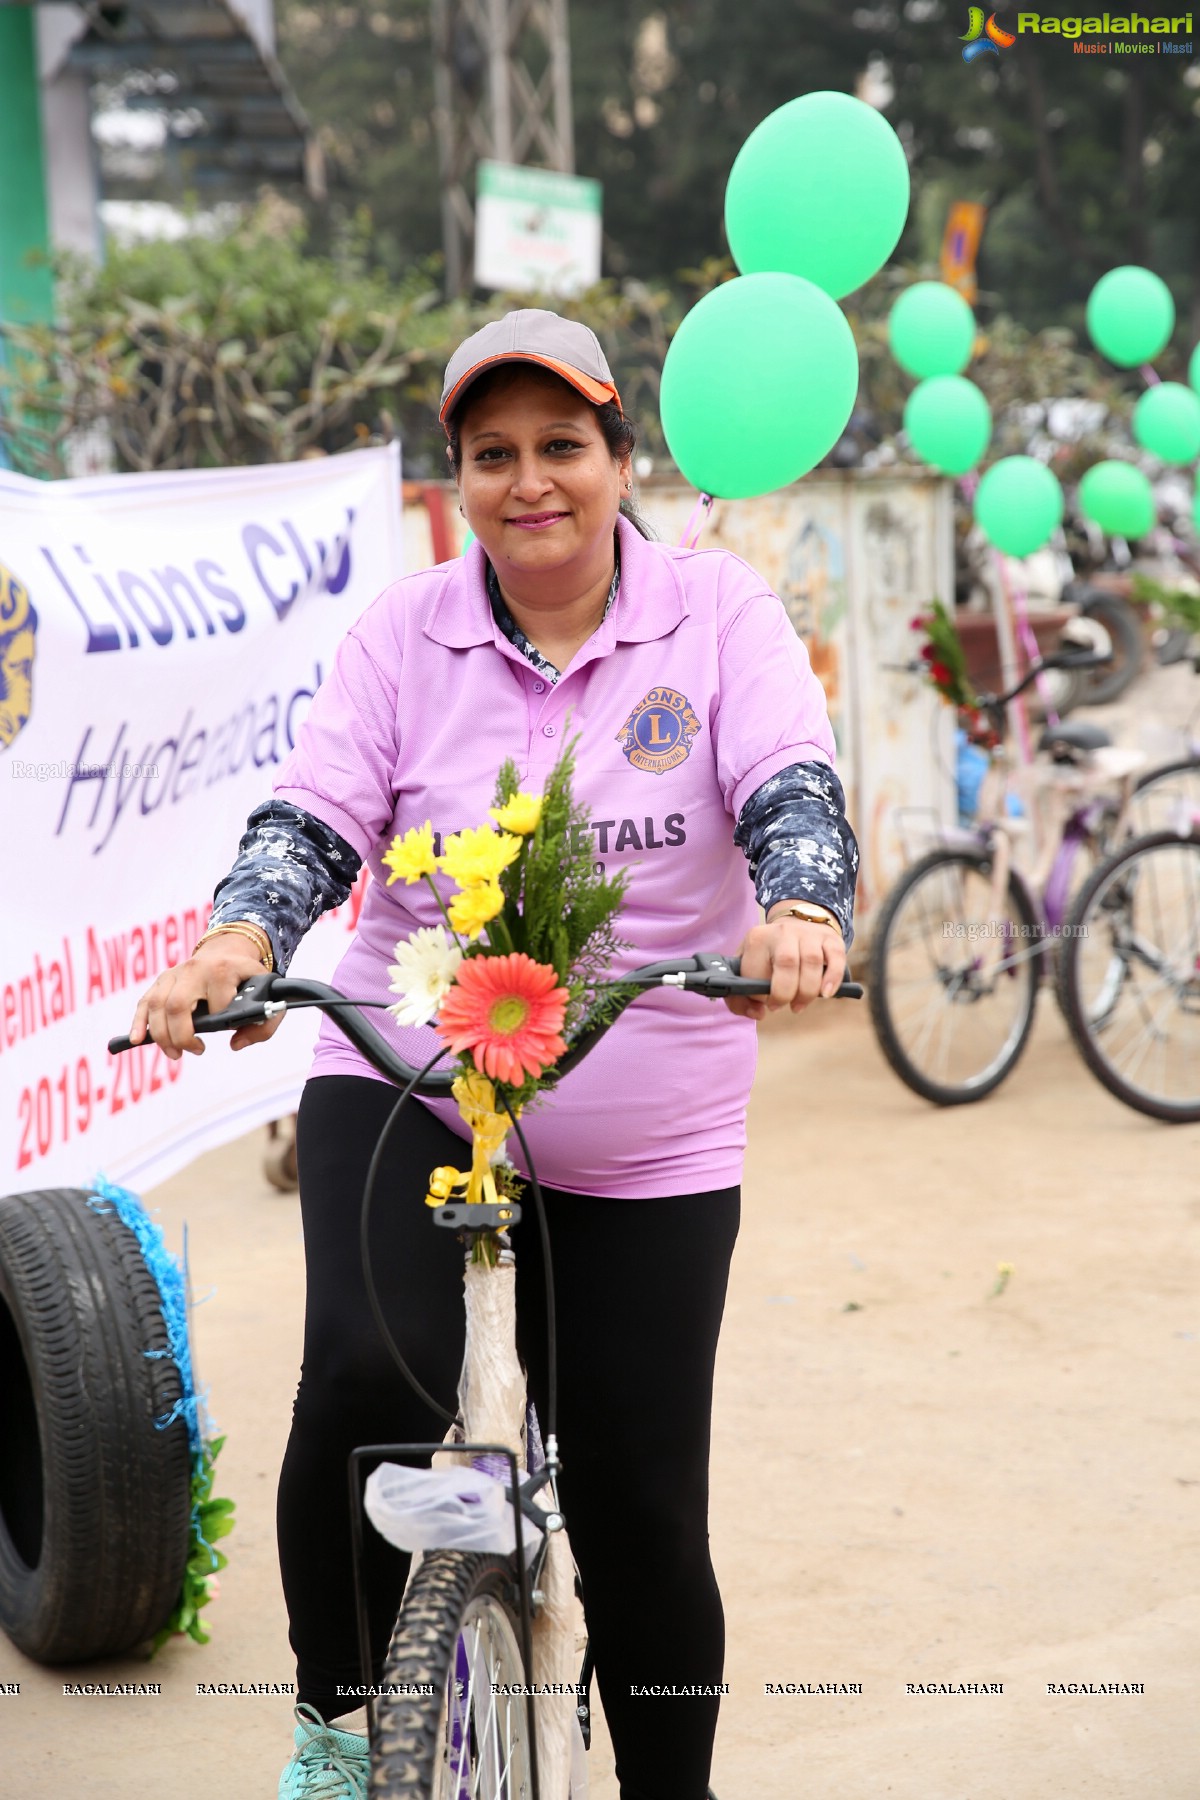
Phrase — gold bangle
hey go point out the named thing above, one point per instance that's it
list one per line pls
(810, 913)
(254, 934)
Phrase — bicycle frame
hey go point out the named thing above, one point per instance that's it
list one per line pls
(262, 997)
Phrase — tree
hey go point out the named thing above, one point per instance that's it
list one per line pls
(364, 72)
(1084, 162)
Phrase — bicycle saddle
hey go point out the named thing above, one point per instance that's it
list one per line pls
(1073, 740)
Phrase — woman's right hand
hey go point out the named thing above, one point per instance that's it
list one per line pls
(213, 973)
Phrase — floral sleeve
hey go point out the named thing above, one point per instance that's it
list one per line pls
(290, 869)
(799, 844)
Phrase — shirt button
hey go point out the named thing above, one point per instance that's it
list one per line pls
(539, 687)
(547, 731)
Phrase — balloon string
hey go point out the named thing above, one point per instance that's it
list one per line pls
(695, 525)
(1029, 645)
(1149, 376)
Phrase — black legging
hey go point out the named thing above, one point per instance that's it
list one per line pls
(640, 1288)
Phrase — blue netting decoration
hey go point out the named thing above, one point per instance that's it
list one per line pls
(171, 1279)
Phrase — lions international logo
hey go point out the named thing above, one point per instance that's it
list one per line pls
(18, 630)
(658, 733)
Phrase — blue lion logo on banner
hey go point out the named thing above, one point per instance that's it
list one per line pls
(18, 635)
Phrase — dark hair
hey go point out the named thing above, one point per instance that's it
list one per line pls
(619, 434)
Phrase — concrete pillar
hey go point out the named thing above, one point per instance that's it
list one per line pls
(68, 148)
(26, 285)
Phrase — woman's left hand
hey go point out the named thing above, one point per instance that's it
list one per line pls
(803, 961)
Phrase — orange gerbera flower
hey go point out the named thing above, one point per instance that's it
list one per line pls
(508, 1012)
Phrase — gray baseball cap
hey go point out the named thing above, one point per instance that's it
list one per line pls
(531, 335)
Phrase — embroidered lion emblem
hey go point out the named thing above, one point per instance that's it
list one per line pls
(658, 733)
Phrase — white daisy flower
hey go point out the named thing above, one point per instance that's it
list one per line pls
(425, 967)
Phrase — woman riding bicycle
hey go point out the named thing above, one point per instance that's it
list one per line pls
(703, 747)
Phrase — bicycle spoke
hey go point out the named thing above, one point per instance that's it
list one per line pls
(1139, 995)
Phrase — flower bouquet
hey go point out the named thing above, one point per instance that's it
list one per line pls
(518, 965)
(946, 670)
(944, 658)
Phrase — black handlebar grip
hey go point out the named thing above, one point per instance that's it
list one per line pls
(200, 1022)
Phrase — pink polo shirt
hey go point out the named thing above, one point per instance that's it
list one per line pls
(691, 693)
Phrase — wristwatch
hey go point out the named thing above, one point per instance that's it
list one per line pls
(811, 914)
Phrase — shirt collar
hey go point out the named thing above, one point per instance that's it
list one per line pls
(650, 604)
(516, 636)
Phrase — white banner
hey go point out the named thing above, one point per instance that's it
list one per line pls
(161, 638)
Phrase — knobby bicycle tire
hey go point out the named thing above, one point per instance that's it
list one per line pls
(411, 1731)
(1084, 1030)
(939, 1093)
(95, 1497)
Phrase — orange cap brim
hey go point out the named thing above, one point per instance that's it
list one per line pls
(595, 391)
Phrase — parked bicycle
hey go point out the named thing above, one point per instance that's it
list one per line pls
(965, 936)
(456, 1716)
(1129, 976)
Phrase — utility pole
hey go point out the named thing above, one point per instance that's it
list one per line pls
(502, 92)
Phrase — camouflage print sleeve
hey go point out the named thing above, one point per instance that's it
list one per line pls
(290, 869)
(799, 844)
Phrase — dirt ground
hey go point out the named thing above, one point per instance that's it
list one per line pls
(918, 1481)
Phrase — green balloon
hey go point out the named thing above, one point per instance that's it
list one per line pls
(1166, 421)
(758, 384)
(1019, 504)
(1130, 316)
(820, 189)
(1194, 369)
(948, 423)
(1118, 498)
(931, 330)
(467, 541)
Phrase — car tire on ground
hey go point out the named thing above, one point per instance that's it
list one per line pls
(95, 1492)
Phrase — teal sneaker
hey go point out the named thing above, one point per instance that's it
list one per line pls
(328, 1764)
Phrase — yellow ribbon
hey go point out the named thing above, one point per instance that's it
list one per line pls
(477, 1103)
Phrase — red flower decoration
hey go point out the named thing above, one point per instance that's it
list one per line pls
(507, 1011)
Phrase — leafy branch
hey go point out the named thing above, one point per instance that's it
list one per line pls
(211, 1519)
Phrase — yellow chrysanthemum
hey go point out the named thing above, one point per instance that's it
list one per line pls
(411, 856)
(520, 814)
(471, 910)
(476, 856)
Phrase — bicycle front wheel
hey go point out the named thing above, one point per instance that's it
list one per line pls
(1130, 975)
(448, 1730)
(1167, 798)
(953, 977)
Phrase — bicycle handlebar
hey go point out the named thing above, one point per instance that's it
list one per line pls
(1058, 659)
(263, 996)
